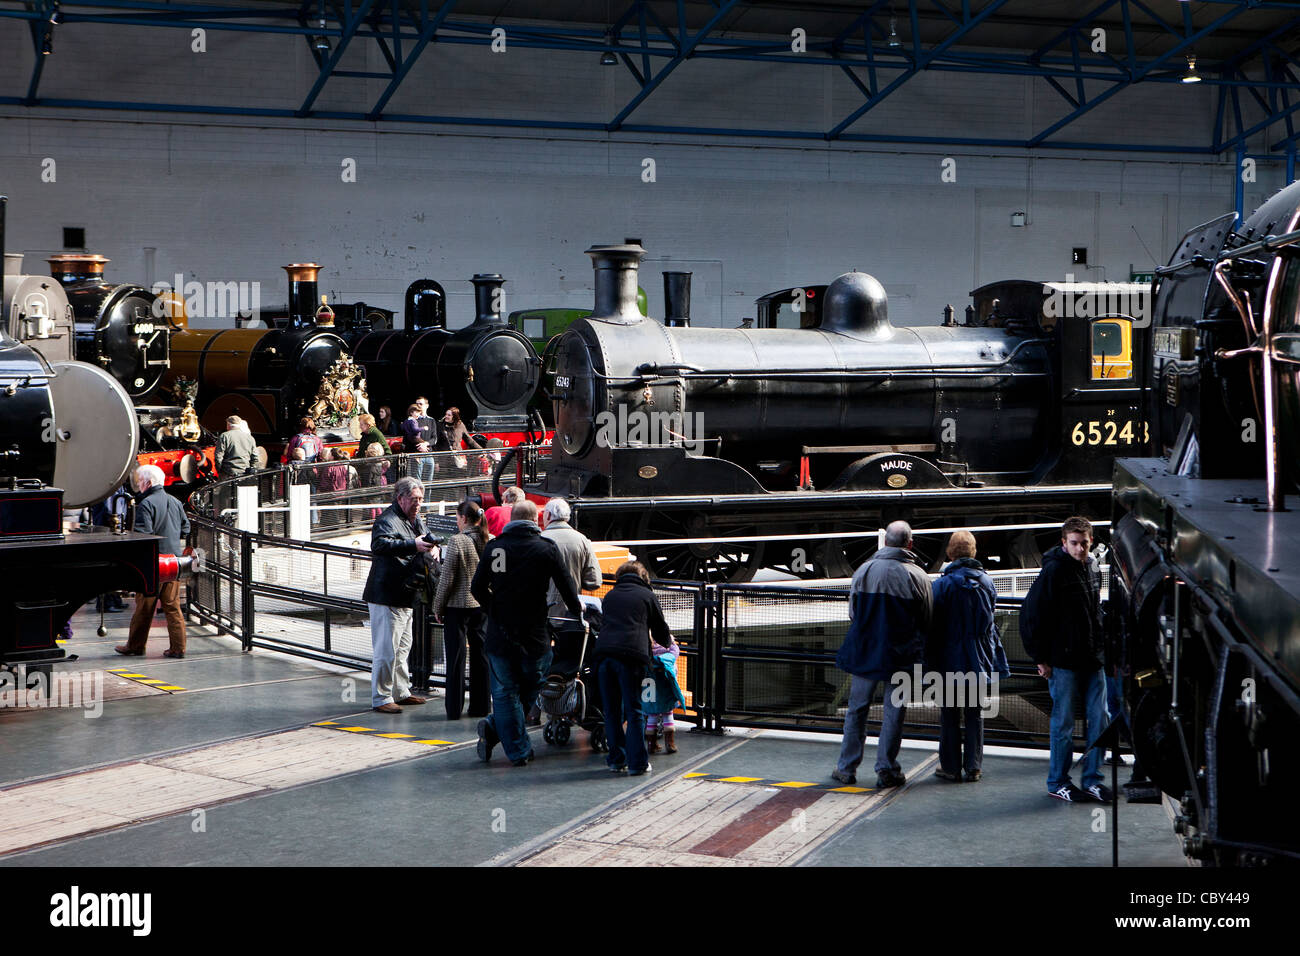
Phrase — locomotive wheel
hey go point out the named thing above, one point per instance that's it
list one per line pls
(713, 563)
(1155, 741)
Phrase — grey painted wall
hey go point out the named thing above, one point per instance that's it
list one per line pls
(223, 201)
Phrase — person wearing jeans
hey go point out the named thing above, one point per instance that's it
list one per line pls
(513, 576)
(1060, 623)
(889, 616)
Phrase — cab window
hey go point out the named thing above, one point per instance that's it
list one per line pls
(1112, 349)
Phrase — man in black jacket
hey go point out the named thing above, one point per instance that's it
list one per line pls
(630, 618)
(1060, 624)
(511, 583)
(398, 544)
(157, 512)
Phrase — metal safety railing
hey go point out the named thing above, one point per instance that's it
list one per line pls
(286, 570)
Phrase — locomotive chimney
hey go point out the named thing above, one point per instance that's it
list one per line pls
(78, 267)
(426, 306)
(488, 294)
(677, 299)
(616, 275)
(303, 293)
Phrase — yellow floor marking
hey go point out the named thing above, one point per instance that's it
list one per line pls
(695, 773)
(738, 779)
(118, 670)
(150, 680)
(395, 736)
(326, 723)
(60, 642)
(167, 687)
(430, 743)
(850, 790)
(132, 676)
(362, 730)
(794, 783)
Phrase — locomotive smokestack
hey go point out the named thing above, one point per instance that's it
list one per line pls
(677, 299)
(488, 295)
(303, 293)
(426, 306)
(616, 277)
(78, 267)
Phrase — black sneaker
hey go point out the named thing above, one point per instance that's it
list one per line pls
(848, 779)
(948, 775)
(890, 778)
(487, 739)
(1069, 793)
(1099, 792)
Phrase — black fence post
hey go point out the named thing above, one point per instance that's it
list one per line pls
(247, 613)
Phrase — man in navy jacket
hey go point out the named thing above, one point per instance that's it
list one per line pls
(890, 604)
(514, 574)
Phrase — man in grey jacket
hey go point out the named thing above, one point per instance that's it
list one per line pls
(236, 451)
(397, 543)
(158, 513)
(575, 551)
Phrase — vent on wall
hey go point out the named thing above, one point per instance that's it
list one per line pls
(74, 237)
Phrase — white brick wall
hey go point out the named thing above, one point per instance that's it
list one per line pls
(234, 198)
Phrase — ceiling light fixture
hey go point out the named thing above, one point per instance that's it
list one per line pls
(1191, 76)
(608, 58)
(893, 40)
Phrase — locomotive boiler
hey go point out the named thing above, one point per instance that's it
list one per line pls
(273, 376)
(706, 434)
(1206, 561)
(487, 369)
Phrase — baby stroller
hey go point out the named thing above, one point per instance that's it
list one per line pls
(571, 693)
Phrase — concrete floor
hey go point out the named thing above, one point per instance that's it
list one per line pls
(437, 804)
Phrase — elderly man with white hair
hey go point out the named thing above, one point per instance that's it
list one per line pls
(157, 512)
(576, 552)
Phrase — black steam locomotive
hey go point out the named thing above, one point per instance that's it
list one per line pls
(827, 432)
(1203, 544)
(487, 369)
(124, 329)
(68, 437)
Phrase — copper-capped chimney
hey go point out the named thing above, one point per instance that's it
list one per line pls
(488, 296)
(78, 267)
(677, 299)
(426, 306)
(303, 293)
(616, 276)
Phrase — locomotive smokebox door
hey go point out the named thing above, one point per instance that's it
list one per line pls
(98, 433)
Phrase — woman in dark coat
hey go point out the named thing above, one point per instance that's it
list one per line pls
(965, 648)
(630, 618)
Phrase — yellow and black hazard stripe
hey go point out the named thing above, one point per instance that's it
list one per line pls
(374, 732)
(153, 682)
(775, 782)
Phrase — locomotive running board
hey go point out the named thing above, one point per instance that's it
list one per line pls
(967, 497)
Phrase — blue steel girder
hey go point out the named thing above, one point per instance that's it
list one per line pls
(920, 62)
(350, 26)
(1182, 45)
(431, 25)
(688, 45)
(38, 27)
